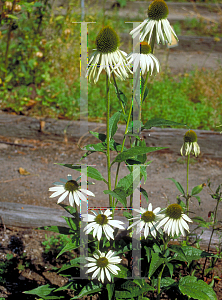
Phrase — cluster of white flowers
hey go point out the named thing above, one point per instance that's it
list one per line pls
(108, 57)
(173, 219)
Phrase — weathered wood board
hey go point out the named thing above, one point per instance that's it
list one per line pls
(210, 142)
(30, 216)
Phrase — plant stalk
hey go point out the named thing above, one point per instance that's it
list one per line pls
(108, 137)
(187, 197)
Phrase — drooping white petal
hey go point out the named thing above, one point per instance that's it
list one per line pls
(62, 197)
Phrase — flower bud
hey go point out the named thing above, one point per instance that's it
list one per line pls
(67, 31)
(17, 8)
(39, 54)
(8, 5)
(43, 42)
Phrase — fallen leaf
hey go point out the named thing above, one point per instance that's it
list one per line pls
(23, 171)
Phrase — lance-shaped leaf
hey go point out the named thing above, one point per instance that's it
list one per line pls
(197, 189)
(113, 124)
(89, 289)
(44, 291)
(100, 136)
(160, 122)
(196, 289)
(87, 170)
(156, 261)
(192, 253)
(130, 290)
(178, 185)
(110, 289)
(132, 152)
(118, 193)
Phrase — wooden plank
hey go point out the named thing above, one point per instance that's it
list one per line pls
(30, 216)
(210, 142)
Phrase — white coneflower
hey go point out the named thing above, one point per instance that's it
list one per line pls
(156, 23)
(69, 188)
(148, 62)
(147, 218)
(103, 264)
(101, 222)
(174, 220)
(190, 144)
(107, 56)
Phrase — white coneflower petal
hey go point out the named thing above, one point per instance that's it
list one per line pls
(190, 144)
(101, 222)
(107, 57)
(104, 265)
(174, 222)
(147, 218)
(69, 188)
(62, 197)
(156, 21)
(143, 56)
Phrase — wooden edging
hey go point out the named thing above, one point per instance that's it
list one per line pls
(31, 216)
(210, 142)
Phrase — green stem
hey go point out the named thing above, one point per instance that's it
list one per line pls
(118, 94)
(161, 272)
(187, 196)
(108, 137)
(124, 139)
(215, 218)
(144, 87)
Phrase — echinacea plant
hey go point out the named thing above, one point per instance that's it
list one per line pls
(113, 260)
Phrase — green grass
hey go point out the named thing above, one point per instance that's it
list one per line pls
(194, 99)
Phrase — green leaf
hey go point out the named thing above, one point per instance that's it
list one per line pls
(72, 263)
(12, 17)
(134, 128)
(201, 222)
(90, 288)
(178, 250)
(127, 182)
(144, 193)
(121, 96)
(170, 267)
(178, 185)
(156, 261)
(130, 289)
(71, 245)
(44, 291)
(198, 199)
(160, 122)
(167, 282)
(89, 171)
(99, 147)
(192, 253)
(123, 273)
(148, 253)
(100, 136)
(197, 189)
(113, 124)
(137, 150)
(110, 288)
(72, 223)
(197, 289)
(119, 194)
(127, 215)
